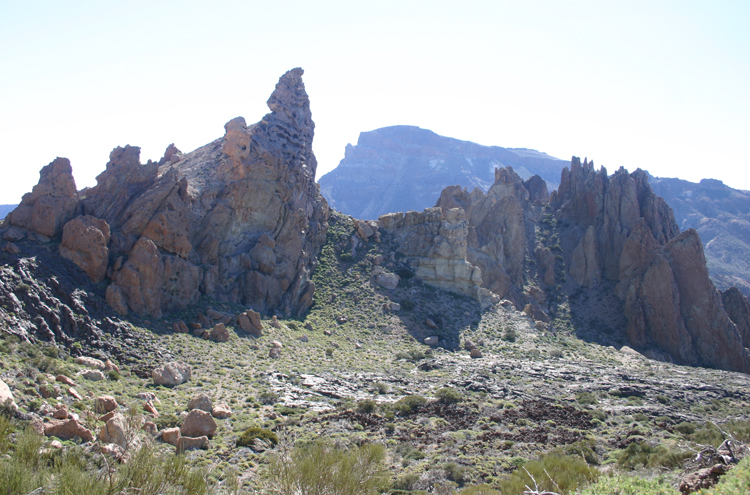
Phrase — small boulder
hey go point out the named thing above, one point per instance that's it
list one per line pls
(277, 344)
(73, 393)
(198, 423)
(219, 333)
(221, 411)
(150, 428)
(274, 353)
(432, 340)
(275, 322)
(200, 401)
(65, 380)
(6, 396)
(430, 323)
(93, 375)
(110, 366)
(171, 435)
(61, 412)
(11, 248)
(149, 407)
(388, 280)
(114, 431)
(104, 404)
(303, 338)
(469, 345)
(395, 306)
(475, 353)
(67, 429)
(188, 443)
(171, 374)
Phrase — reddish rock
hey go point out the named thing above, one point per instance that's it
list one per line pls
(85, 241)
(219, 333)
(188, 443)
(65, 380)
(170, 435)
(200, 401)
(104, 404)
(198, 423)
(114, 431)
(67, 429)
(150, 428)
(221, 411)
(61, 412)
(475, 353)
(51, 203)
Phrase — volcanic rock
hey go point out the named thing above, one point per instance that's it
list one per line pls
(6, 396)
(188, 443)
(85, 242)
(198, 423)
(67, 429)
(171, 374)
(105, 404)
(200, 401)
(114, 431)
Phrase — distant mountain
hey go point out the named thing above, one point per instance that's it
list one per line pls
(721, 215)
(5, 209)
(402, 168)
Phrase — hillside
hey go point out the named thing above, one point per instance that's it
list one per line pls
(402, 168)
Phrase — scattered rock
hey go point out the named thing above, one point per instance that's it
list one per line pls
(341, 319)
(250, 323)
(171, 435)
(275, 322)
(221, 411)
(6, 396)
(110, 366)
(180, 327)
(219, 333)
(65, 380)
(61, 412)
(67, 429)
(73, 393)
(188, 443)
(90, 362)
(150, 428)
(11, 248)
(198, 423)
(303, 338)
(430, 323)
(475, 353)
(93, 375)
(274, 353)
(469, 345)
(104, 404)
(171, 374)
(388, 280)
(200, 401)
(148, 406)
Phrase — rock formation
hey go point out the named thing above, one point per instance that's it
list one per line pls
(404, 168)
(619, 230)
(240, 219)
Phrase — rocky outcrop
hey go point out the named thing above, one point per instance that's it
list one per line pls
(51, 203)
(403, 168)
(618, 230)
(240, 219)
(85, 241)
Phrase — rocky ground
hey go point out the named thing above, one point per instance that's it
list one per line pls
(354, 368)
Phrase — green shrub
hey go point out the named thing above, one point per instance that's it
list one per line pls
(367, 406)
(248, 437)
(455, 472)
(346, 257)
(381, 387)
(413, 355)
(409, 404)
(509, 335)
(322, 468)
(167, 421)
(568, 473)
(629, 485)
(640, 417)
(408, 304)
(643, 454)
(113, 375)
(448, 395)
(268, 398)
(685, 428)
(586, 399)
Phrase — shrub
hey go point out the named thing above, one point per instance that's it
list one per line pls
(413, 355)
(644, 454)
(448, 395)
(247, 439)
(685, 428)
(509, 335)
(629, 485)
(586, 399)
(408, 304)
(381, 387)
(455, 472)
(409, 404)
(483, 489)
(568, 473)
(366, 406)
(113, 375)
(268, 398)
(167, 421)
(322, 468)
(346, 257)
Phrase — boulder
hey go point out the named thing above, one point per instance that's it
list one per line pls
(171, 374)
(11, 248)
(221, 411)
(93, 375)
(104, 404)
(388, 280)
(198, 423)
(219, 333)
(65, 380)
(85, 241)
(90, 362)
(6, 397)
(432, 341)
(200, 401)
(67, 429)
(171, 435)
(114, 431)
(475, 353)
(61, 412)
(250, 323)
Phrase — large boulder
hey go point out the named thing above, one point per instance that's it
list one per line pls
(171, 374)
(51, 203)
(114, 431)
(85, 241)
(198, 423)
(67, 429)
(6, 397)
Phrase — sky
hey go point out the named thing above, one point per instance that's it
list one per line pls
(663, 86)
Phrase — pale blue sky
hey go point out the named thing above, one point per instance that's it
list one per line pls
(661, 85)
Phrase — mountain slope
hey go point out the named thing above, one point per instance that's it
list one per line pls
(403, 168)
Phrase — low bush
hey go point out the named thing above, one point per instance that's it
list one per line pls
(555, 473)
(643, 454)
(448, 395)
(509, 335)
(247, 439)
(409, 404)
(366, 406)
(586, 399)
(408, 304)
(268, 398)
(320, 467)
(629, 485)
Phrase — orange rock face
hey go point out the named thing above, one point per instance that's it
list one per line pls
(85, 242)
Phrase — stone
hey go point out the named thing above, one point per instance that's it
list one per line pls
(73, 393)
(61, 412)
(85, 242)
(198, 423)
(90, 362)
(148, 406)
(432, 341)
(11, 248)
(6, 397)
(170, 435)
(110, 366)
(276, 344)
(274, 353)
(219, 333)
(51, 203)
(65, 380)
(171, 374)
(116, 299)
(14, 234)
(200, 401)
(303, 338)
(388, 280)
(113, 431)
(104, 404)
(150, 428)
(106, 417)
(469, 345)
(221, 411)
(475, 353)
(148, 397)
(275, 322)
(394, 306)
(93, 375)
(188, 443)
(584, 263)
(67, 429)
(430, 324)
(250, 323)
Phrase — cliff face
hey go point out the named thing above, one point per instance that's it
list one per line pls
(622, 232)
(404, 168)
(721, 215)
(239, 219)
